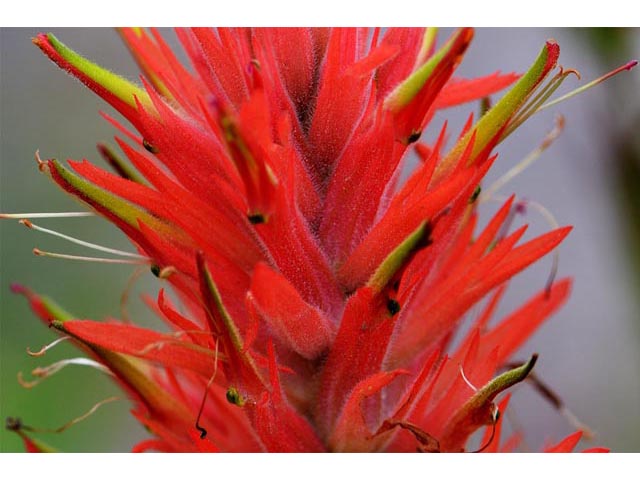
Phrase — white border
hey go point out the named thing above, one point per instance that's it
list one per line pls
(321, 466)
(520, 13)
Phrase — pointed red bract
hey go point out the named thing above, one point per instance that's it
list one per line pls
(167, 350)
(351, 433)
(297, 324)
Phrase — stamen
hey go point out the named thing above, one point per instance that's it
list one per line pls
(538, 104)
(19, 216)
(627, 66)
(44, 372)
(506, 226)
(526, 162)
(495, 415)
(555, 260)
(531, 107)
(42, 253)
(39, 161)
(201, 429)
(466, 380)
(72, 422)
(77, 241)
(44, 349)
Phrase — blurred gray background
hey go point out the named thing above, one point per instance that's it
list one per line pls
(589, 351)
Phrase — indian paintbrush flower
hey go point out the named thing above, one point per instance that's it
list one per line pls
(318, 293)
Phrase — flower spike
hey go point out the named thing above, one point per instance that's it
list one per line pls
(311, 293)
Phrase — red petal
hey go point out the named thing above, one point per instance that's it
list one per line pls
(458, 91)
(296, 62)
(411, 116)
(280, 427)
(240, 366)
(182, 323)
(397, 69)
(224, 57)
(341, 97)
(298, 256)
(397, 224)
(294, 322)
(442, 307)
(143, 343)
(361, 176)
(357, 352)
(567, 445)
(514, 330)
(115, 90)
(596, 450)
(351, 433)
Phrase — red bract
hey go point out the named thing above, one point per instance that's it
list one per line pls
(320, 291)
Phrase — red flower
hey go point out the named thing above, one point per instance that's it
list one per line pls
(322, 292)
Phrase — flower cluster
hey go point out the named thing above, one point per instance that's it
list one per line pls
(318, 291)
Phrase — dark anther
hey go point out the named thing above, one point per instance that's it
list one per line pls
(414, 137)
(475, 195)
(155, 269)
(256, 218)
(393, 306)
(148, 147)
(233, 396)
(202, 430)
(13, 424)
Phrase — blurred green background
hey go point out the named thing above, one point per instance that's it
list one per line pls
(589, 352)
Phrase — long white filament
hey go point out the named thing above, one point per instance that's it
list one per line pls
(525, 162)
(44, 372)
(42, 253)
(47, 215)
(49, 346)
(77, 241)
